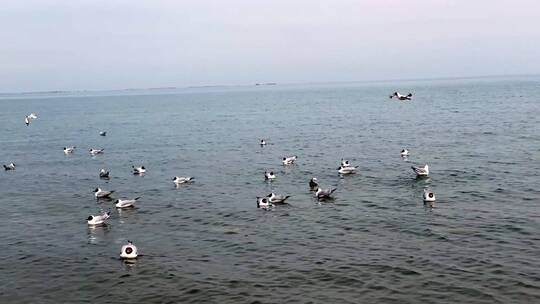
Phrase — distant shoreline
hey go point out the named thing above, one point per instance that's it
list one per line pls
(54, 92)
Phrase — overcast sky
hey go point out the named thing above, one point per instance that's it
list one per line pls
(78, 44)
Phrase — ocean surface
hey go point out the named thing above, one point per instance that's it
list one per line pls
(207, 242)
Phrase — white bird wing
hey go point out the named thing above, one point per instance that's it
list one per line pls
(419, 170)
(125, 203)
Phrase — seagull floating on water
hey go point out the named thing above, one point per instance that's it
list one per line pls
(347, 170)
(138, 170)
(96, 151)
(103, 173)
(269, 175)
(103, 133)
(421, 171)
(27, 121)
(277, 199)
(182, 179)
(69, 150)
(94, 220)
(404, 153)
(313, 185)
(324, 193)
(264, 203)
(129, 251)
(127, 203)
(263, 142)
(99, 193)
(289, 160)
(401, 97)
(11, 166)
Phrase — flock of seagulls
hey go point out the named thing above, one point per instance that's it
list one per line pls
(345, 168)
(129, 251)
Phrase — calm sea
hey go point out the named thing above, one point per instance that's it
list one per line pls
(208, 243)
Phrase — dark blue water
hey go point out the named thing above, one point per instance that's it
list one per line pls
(208, 243)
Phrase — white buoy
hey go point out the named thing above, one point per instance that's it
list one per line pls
(429, 196)
(129, 251)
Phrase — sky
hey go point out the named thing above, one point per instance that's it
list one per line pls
(116, 44)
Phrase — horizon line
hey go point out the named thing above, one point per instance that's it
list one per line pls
(269, 83)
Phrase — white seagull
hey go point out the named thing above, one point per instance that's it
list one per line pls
(96, 151)
(28, 119)
(324, 193)
(421, 171)
(128, 251)
(269, 175)
(69, 150)
(94, 220)
(401, 97)
(11, 166)
(347, 170)
(289, 160)
(182, 179)
(313, 185)
(277, 199)
(127, 203)
(404, 153)
(138, 170)
(264, 203)
(99, 193)
(103, 173)
(263, 142)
